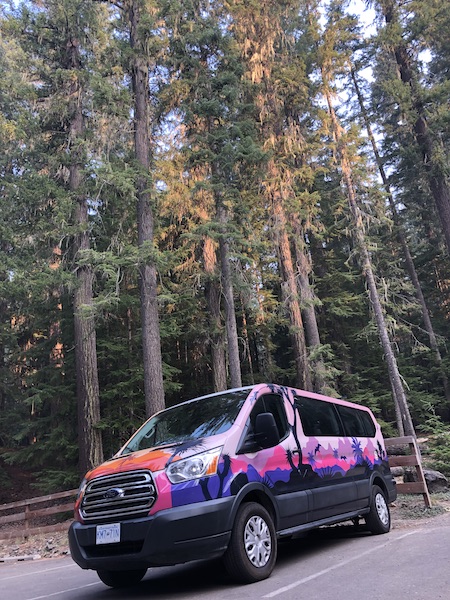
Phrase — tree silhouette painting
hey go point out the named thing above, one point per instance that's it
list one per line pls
(221, 474)
(311, 458)
(357, 450)
(288, 395)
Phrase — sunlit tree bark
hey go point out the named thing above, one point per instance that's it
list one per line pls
(135, 12)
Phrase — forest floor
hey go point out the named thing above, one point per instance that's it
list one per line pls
(406, 512)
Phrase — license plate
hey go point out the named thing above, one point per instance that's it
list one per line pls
(108, 534)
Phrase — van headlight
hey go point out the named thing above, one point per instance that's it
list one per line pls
(81, 488)
(194, 467)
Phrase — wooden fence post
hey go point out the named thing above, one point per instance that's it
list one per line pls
(27, 519)
(413, 459)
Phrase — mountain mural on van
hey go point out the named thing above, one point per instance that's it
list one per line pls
(297, 462)
(235, 474)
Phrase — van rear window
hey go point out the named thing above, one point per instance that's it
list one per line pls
(327, 418)
(357, 423)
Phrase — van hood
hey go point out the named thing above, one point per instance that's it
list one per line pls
(153, 459)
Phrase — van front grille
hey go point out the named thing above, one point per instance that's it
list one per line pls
(119, 496)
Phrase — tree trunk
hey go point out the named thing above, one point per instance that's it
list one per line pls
(303, 378)
(88, 402)
(262, 340)
(317, 367)
(260, 33)
(151, 342)
(400, 401)
(410, 267)
(247, 344)
(213, 295)
(429, 148)
(230, 311)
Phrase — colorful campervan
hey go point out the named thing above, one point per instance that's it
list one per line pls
(228, 475)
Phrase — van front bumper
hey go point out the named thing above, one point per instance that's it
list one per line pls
(169, 537)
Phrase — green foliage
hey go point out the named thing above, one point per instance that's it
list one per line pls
(226, 100)
(438, 437)
(440, 452)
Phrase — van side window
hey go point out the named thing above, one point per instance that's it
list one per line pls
(273, 404)
(318, 417)
(357, 423)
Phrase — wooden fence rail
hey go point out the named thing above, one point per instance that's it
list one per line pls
(409, 459)
(26, 512)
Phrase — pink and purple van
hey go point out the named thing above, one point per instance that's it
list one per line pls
(228, 475)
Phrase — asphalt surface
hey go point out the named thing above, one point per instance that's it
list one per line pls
(330, 564)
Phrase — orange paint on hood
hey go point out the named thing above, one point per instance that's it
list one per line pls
(154, 460)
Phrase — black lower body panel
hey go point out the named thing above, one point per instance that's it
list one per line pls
(172, 536)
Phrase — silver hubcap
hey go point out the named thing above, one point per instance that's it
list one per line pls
(257, 541)
(382, 509)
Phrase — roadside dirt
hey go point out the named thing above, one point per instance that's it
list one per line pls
(37, 546)
(20, 484)
(410, 511)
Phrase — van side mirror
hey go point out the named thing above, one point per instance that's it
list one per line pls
(264, 435)
(266, 430)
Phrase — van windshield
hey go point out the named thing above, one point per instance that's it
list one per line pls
(192, 420)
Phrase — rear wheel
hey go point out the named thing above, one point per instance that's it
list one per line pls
(118, 579)
(378, 520)
(252, 551)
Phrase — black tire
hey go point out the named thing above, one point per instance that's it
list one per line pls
(120, 579)
(378, 520)
(252, 551)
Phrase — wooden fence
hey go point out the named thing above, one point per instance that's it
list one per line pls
(29, 513)
(409, 457)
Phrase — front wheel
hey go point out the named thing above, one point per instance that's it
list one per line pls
(119, 579)
(378, 520)
(252, 550)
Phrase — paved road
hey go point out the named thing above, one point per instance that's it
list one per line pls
(330, 564)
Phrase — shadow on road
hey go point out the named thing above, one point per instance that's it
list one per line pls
(201, 577)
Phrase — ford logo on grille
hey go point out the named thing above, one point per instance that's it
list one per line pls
(114, 493)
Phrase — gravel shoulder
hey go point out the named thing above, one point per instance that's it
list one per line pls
(410, 511)
(45, 545)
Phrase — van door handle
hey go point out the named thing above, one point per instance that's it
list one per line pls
(296, 451)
